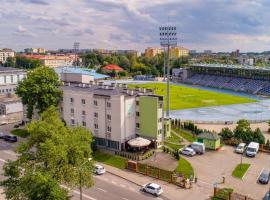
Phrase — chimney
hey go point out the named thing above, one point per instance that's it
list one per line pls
(131, 92)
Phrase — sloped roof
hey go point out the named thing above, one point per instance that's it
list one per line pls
(209, 136)
(112, 67)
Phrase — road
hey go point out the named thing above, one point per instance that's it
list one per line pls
(107, 186)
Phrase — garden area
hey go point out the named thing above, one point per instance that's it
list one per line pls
(184, 168)
(240, 170)
(112, 160)
(185, 97)
(20, 132)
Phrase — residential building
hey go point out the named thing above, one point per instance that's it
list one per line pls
(6, 53)
(175, 52)
(9, 78)
(113, 113)
(35, 51)
(55, 60)
(152, 52)
(11, 109)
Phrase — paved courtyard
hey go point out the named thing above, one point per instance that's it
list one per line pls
(161, 160)
(212, 166)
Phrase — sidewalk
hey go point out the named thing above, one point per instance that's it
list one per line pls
(197, 192)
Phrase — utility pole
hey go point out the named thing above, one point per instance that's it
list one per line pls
(168, 39)
(76, 47)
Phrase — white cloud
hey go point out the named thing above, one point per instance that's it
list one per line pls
(22, 31)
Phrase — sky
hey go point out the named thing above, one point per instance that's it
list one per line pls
(219, 25)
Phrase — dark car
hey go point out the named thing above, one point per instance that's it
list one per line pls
(264, 177)
(10, 138)
(2, 135)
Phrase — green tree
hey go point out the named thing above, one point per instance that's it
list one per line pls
(39, 90)
(124, 62)
(27, 63)
(10, 62)
(60, 157)
(243, 131)
(226, 133)
(258, 136)
(90, 60)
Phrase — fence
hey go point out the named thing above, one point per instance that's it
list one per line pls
(228, 194)
(161, 174)
(135, 156)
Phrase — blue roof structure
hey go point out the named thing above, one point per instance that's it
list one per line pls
(80, 70)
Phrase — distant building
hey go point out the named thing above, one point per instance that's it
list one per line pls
(6, 53)
(114, 114)
(175, 52)
(192, 52)
(35, 50)
(9, 78)
(246, 60)
(11, 109)
(108, 52)
(236, 53)
(208, 52)
(55, 60)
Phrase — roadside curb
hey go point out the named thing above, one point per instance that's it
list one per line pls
(115, 174)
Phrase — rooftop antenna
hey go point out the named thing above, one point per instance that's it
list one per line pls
(168, 39)
(76, 47)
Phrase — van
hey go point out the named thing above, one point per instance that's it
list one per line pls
(252, 149)
(198, 147)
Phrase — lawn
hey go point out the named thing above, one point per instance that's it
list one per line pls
(186, 135)
(184, 167)
(174, 138)
(175, 147)
(20, 132)
(182, 97)
(239, 170)
(115, 161)
(223, 194)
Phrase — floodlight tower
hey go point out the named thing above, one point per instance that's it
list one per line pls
(168, 39)
(76, 47)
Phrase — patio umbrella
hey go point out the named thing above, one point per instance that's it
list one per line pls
(139, 142)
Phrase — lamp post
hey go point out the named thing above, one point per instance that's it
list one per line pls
(168, 39)
(80, 171)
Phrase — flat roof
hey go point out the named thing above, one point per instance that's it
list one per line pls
(80, 70)
(9, 69)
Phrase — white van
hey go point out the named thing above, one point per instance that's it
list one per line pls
(198, 147)
(252, 149)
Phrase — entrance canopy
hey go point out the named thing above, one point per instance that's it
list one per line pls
(139, 142)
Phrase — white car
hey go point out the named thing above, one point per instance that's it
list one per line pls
(153, 189)
(187, 151)
(98, 169)
(240, 148)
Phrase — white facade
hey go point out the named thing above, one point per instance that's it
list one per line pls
(6, 53)
(9, 78)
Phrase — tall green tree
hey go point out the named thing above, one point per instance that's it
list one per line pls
(53, 155)
(39, 90)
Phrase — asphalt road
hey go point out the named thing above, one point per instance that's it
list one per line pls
(107, 186)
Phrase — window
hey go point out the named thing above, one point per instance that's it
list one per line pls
(109, 117)
(96, 126)
(83, 112)
(137, 125)
(72, 110)
(160, 105)
(108, 104)
(109, 129)
(137, 103)
(71, 100)
(84, 123)
(11, 78)
(61, 109)
(95, 102)
(160, 120)
(72, 121)
(83, 101)
(96, 115)
(5, 79)
(137, 114)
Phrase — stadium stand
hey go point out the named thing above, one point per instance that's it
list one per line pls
(238, 78)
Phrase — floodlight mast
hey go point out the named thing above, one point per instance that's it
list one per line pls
(76, 47)
(168, 39)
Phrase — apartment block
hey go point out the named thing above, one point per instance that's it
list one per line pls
(113, 113)
(35, 50)
(9, 78)
(175, 52)
(6, 53)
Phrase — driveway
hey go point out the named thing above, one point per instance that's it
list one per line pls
(212, 166)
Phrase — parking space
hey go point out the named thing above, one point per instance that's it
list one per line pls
(212, 166)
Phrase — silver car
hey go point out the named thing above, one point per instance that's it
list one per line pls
(187, 151)
(153, 189)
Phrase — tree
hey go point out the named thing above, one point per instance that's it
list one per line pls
(258, 136)
(10, 62)
(53, 155)
(27, 63)
(226, 133)
(243, 131)
(39, 90)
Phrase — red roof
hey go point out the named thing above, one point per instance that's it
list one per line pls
(113, 67)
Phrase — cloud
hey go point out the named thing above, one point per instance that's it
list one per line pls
(39, 2)
(22, 31)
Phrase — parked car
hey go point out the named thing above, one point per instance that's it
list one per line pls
(98, 169)
(240, 148)
(2, 135)
(266, 196)
(252, 149)
(264, 177)
(198, 147)
(10, 138)
(187, 151)
(153, 189)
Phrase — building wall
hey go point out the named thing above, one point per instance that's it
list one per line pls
(9, 80)
(75, 77)
(4, 54)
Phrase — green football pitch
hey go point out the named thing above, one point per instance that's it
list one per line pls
(185, 97)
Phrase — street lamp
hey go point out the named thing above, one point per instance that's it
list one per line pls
(80, 171)
(168, 39)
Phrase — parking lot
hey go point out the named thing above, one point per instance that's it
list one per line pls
(212, 166)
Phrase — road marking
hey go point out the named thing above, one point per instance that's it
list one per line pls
(113, 182)
(131, 188)
(121, 185)
(124, 198)
(159, 198)
(10, 152)
(259, 174)
(101, 189)
(77, 192)
(3, 160)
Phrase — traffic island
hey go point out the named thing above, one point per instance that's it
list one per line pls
(240, 170)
